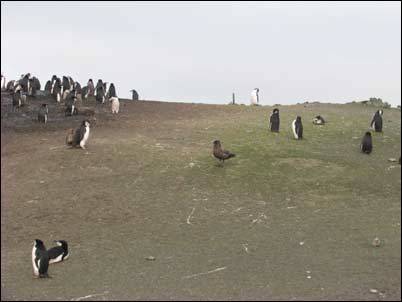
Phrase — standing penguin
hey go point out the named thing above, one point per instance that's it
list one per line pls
(376, 123)
(56, 91)
(115, 104)
(91, 88)
(112, 91)
(81, 135)
(366, 145)
(70, 106)
(10, 86)
(135, 96)
(274, 120)
(48, 86)
(18, 97)
(85, 92)
(254, 97)
(98, 85)
(100, 96)
(40, 259)
(297, 128)
(59, 252)
(43, 113)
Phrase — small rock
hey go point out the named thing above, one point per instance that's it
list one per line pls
(150, 258)
(373, 291)
(376, 242)
(42, 182)
(392, 160)
(308, 277)
(191, 165)
(301, 242)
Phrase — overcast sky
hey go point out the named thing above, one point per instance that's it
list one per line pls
(202, 52)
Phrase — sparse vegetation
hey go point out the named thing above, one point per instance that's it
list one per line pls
(283, 220)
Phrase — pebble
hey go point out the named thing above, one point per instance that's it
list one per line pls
(150, 258)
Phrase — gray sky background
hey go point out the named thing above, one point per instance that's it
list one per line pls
(202, 52)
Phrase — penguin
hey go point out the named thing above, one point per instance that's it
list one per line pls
(112, 91)
(19, 99)
(318, 120)
(254, 97)
(71, 82)
(34, 86)
(85, 92)
(99, 84)
(53, 81)
(297, 128)
(48, 86)
(40, 259)
(77, 87)
(24, 82)
(274, 120)
(65, 86)
(100, 96)
(59, 252)
(81, 135)
(3, 82)
(91, 88)
(70, 106)
(106, 90)
(366, 145)
(10, 86)
(115, 104)
(135, 96)
(57, 90)
(376, 122)
(43, 113)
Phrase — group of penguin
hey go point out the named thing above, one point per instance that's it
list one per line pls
(366, 145)
(67, 88)
(61, 89)
(27, 85)
(41, 257)
(70, 91)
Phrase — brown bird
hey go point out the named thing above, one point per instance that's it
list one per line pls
(220, 153)
(70, 136)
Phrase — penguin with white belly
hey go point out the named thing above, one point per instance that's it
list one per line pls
(58, 253)
(40, 259)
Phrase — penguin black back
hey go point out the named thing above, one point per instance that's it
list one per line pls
(40, 259)
(274, 120)
(376, 123)
(43, 113)
(112, 91)
(59, 252)
(366, 145)
(135, 96)
(297, 128)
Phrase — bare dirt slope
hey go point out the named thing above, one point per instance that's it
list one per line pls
(283, 220)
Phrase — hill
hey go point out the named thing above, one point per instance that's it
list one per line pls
(283, 220)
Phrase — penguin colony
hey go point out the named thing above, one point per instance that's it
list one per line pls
(64, 90)
(68, 90)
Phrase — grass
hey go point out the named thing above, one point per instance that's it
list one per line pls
(280, 211)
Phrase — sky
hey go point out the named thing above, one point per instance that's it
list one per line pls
(202, 52)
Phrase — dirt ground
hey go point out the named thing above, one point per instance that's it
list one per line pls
(149, 215)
